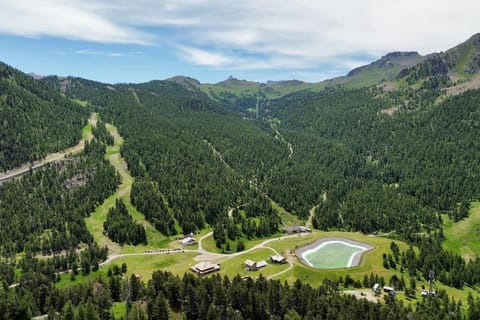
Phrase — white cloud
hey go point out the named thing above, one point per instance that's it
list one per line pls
(99, 53)
(203, 57)
(65, 19)
(253, 34)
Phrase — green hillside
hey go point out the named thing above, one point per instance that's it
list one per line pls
(244, 96)
(382, 70)
(35, 120)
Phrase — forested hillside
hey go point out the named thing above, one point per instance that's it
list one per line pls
(230, 161)
(44, 211)
(419, 160)
(193, 158)
(368, 159)
(35, 120)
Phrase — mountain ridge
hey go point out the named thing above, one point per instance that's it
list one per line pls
(458, 63)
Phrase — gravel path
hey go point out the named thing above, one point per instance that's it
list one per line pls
(52, 157)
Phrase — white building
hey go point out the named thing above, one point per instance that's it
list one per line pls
(254, 265)
(188, 241)
(205, 267)
(278, 259)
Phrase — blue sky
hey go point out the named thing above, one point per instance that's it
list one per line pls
(136, 41)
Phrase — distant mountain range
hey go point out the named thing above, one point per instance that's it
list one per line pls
(459, 64)
(454, 70)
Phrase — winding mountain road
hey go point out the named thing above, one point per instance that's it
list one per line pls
(52, 157)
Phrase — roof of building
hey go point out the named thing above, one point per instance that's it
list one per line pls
(291, 229)
(205, 266)
(255, 264)
(249, 263)
(261, 264)
(425, 293)
(188, 240)
(277, 258)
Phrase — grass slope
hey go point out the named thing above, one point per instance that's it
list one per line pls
(463, 237)
(142, 265)
(97, 218)
(209, 243)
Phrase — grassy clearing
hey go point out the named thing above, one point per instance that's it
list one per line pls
(463, 237)
(235, 265)
(83, 103)
(288, 219)
(87, 131)
(142, 265)
(145, 265)
(119, 309)
(95, 222)
(65, 280)
(371, 263)
(155, 239)
(209, 243)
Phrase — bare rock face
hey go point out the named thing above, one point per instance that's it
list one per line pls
(464, 58)
(396, 59)
(186, 82)
(474, 66)
(36, 76)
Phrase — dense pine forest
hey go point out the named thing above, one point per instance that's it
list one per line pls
(35, 120)
(121, 228)
(347, 157)
(44, 211)
(166, 295)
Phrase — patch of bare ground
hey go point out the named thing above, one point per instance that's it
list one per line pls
(453, 77)
(473, 83)
(78, 180)
(390, 111)
(388, 86)
(363, 294)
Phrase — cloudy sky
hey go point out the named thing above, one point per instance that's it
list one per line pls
(134, 41)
